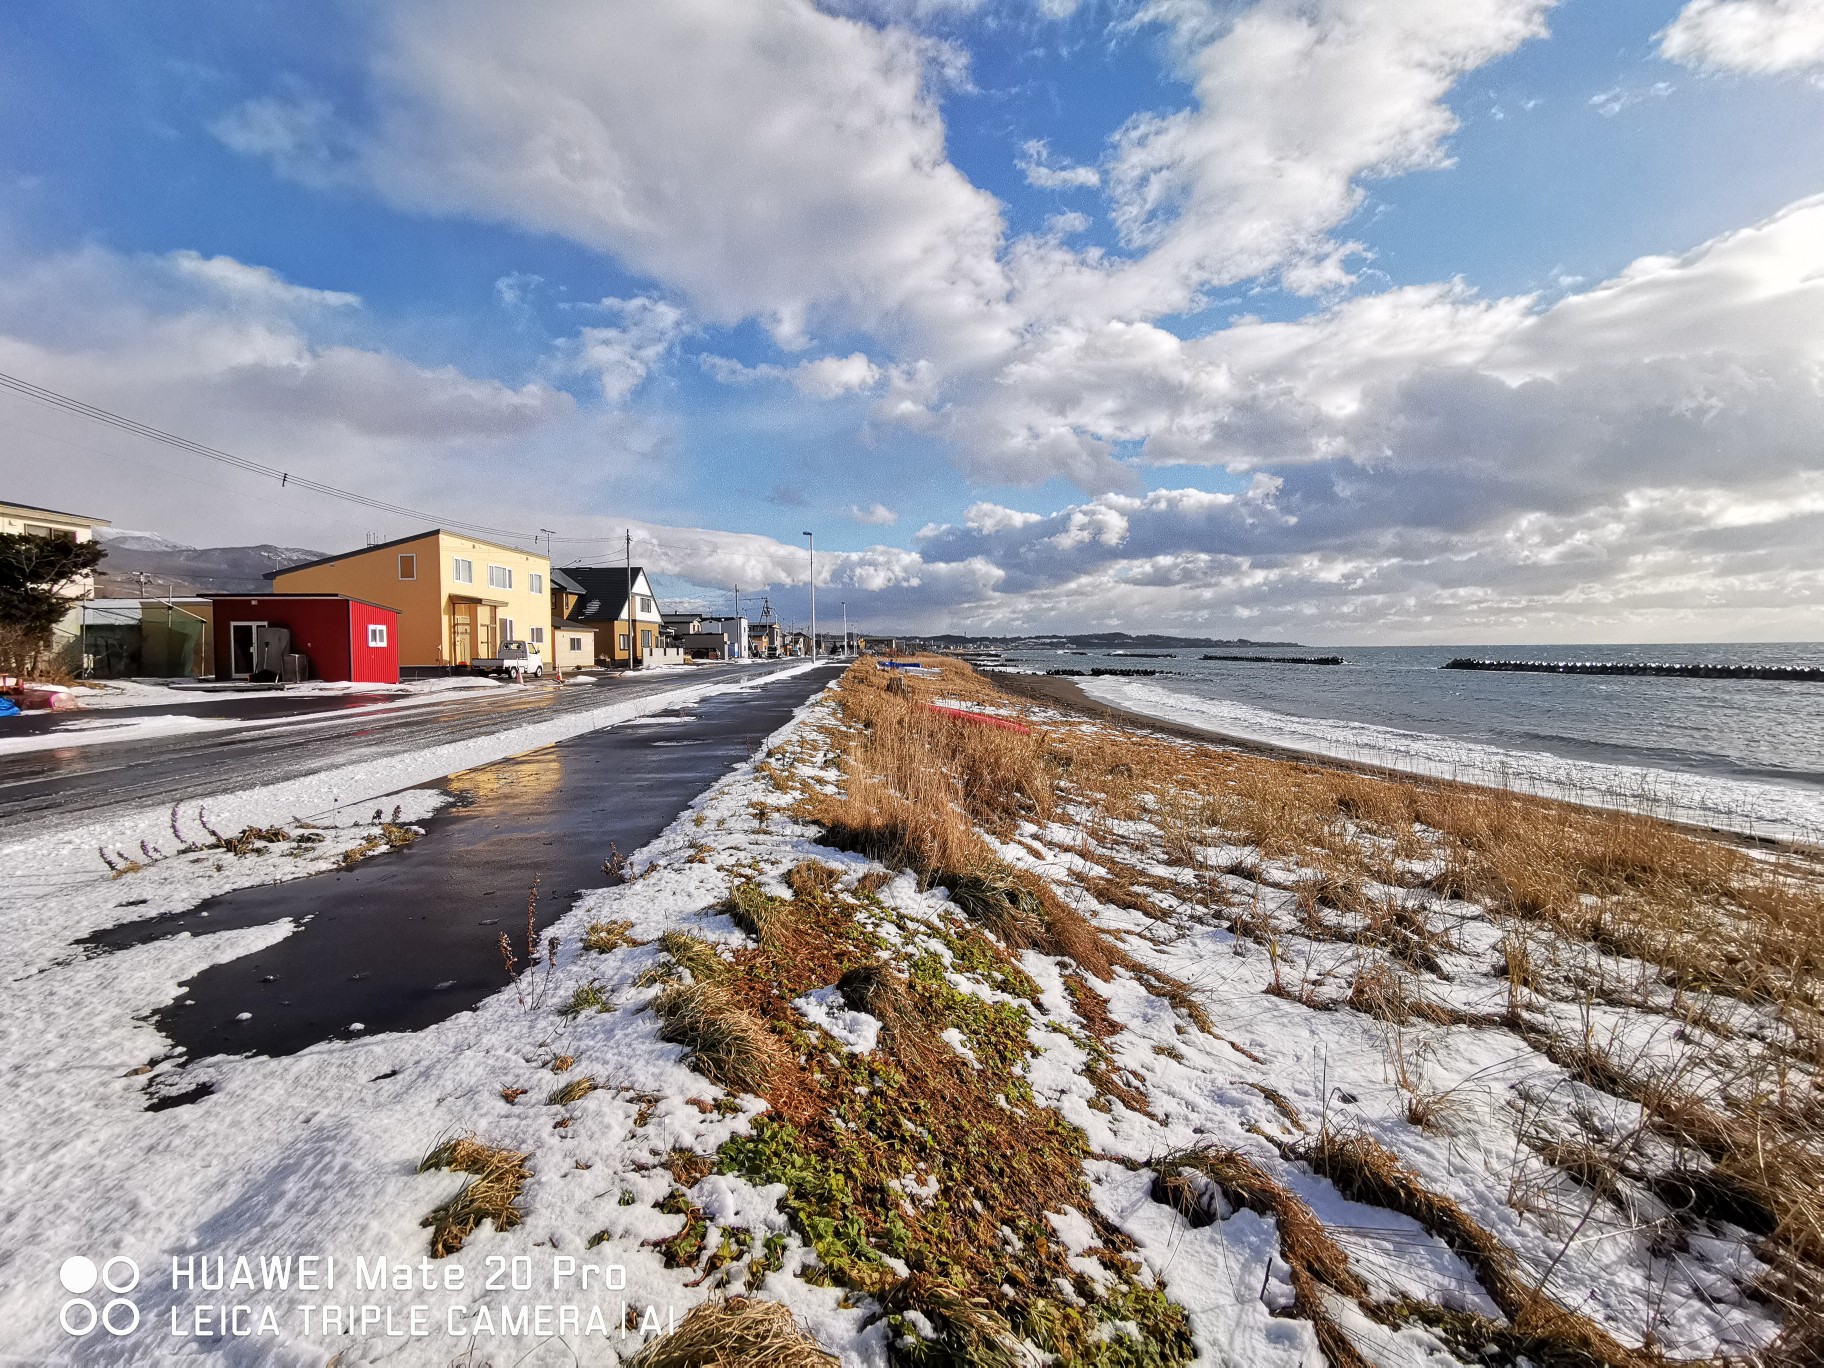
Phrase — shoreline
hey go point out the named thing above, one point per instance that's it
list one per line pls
(1063, 692)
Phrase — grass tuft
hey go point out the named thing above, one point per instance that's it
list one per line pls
(604, 937)
(737, 1333)
(491, 1194)
(727, 1043)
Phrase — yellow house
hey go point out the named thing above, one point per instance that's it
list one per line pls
(459, 598)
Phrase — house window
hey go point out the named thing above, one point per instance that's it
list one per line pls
(499, 577)
(506, 631)
(645, 604)
(537, 636)
(376, 631)
(645, 639)
(623, 641)
(408, 567)
(536, 583)
(42, 530)
(576, 643)
(462, 571)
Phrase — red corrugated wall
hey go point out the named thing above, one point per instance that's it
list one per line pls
(331, 630)
(372, 664)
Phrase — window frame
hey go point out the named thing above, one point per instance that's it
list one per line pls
(500, 576)
(535, 635)
(535, 582)
(405, 556)
(376, 635)
(462, 570)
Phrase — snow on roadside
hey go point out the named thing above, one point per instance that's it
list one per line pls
(317, 1153)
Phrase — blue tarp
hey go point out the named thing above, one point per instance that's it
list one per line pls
(8, 708)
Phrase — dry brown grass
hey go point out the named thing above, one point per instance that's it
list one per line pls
(762, 917)
(491, 1194)
(969, 1330)
(727, 1043)
(1366, 1172)
(737, 1333)
(605, 937)
(1185, 1181)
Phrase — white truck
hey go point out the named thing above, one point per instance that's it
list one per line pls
(518, 658)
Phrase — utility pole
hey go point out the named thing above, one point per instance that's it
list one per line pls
(813, 537)
(845, 629)
(633, 624)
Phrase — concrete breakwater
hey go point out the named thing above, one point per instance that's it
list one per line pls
(1804, 673)
(1281, 660)
(1101, 670)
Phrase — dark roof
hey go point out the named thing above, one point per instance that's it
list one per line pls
(287, 594)
(604, 591)
(399, 541)
(563, 581)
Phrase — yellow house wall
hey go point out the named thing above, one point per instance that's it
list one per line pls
(424, 603)
(526, 608)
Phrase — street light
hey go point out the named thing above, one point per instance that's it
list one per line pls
(813, 539)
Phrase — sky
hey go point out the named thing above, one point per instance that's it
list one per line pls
(1338, 321)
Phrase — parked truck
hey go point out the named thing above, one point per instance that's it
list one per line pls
(515, 658)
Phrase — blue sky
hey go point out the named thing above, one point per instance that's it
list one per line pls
(1228, 353)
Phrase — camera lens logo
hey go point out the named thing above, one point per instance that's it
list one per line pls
(79, 1277)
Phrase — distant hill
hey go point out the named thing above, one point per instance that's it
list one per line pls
(176, 568)
(1089, 641)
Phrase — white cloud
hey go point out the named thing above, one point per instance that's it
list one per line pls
(622, 356)
(822, 377)
(256, 284)
(1036, 165)
(874, 515)
(763, 159)
(1761, 37)
(1609, 103)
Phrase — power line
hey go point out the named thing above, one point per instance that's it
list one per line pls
(93, 412)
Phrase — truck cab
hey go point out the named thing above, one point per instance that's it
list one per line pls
(516, 657)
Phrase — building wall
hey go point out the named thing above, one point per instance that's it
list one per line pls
(525, 608)
(332, 632)
(370, 664)
(423, 603)
(17, 518)
(567, 657)
(374, 576)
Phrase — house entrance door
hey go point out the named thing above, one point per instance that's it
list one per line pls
(462, 633)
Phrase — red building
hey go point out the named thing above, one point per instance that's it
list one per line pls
(341, 638)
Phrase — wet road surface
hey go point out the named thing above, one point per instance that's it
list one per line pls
(42, 790)
(254, 707)
(404, 940)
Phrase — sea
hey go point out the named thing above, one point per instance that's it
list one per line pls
(1739, 754)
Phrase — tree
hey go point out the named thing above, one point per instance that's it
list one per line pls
(36, 579)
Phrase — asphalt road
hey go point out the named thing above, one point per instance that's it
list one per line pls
(406, 939)
(45, 789)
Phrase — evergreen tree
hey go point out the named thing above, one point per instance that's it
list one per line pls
(37, 576)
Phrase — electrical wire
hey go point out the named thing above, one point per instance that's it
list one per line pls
(95, 413)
